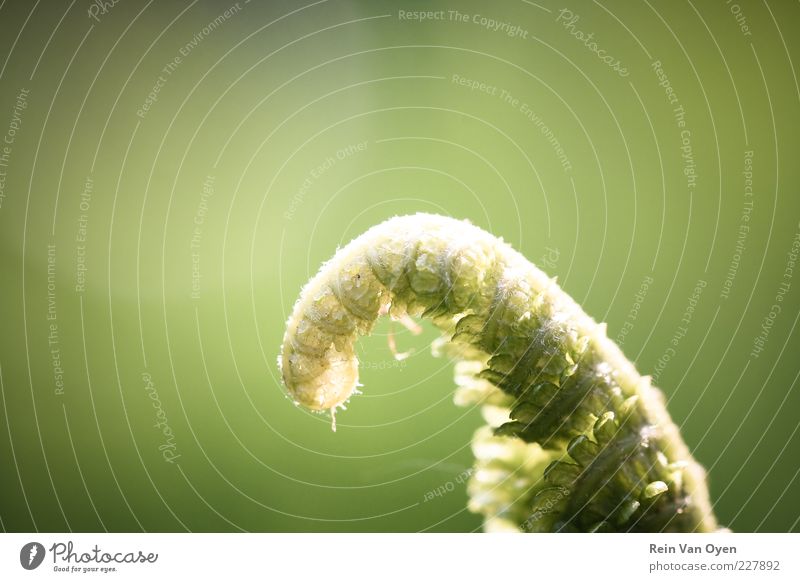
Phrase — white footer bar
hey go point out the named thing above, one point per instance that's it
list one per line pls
(352, 557)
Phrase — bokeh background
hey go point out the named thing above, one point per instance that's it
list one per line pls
(173, 172)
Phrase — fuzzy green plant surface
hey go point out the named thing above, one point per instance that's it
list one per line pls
(576, 438)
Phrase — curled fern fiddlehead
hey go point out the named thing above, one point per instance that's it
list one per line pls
(581, 441)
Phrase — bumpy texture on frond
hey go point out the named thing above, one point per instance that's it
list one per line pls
(587, 444)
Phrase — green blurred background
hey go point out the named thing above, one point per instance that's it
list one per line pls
(150, 257)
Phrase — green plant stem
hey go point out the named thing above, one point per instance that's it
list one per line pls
(618, 462)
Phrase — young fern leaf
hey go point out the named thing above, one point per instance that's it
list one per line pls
(587, 444)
